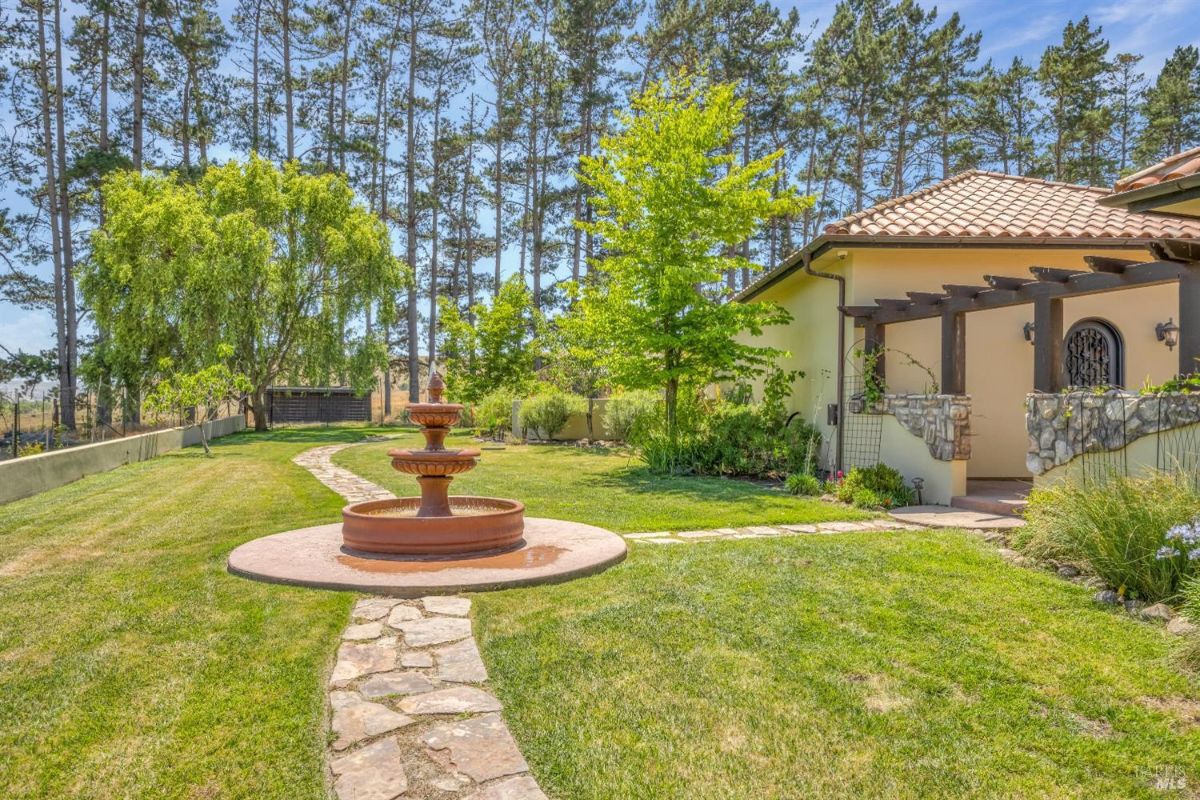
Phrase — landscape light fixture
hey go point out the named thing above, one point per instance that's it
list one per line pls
(1167, 333)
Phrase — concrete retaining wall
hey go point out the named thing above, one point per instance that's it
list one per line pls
(576, 427)
(23, 477)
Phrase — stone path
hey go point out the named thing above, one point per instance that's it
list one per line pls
(766, 531)
(343, 481)
(410, 711)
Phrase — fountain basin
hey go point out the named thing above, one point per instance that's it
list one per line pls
(476, 525)
(434, 462)
(435, 415)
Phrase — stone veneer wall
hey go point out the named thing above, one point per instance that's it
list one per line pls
(1063, 426)
(942, 420)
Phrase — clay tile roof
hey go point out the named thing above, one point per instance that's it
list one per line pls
(990, 204)
(1177, 166)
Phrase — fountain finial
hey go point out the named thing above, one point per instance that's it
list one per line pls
(437, 386)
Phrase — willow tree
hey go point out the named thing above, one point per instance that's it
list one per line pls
(672, 201)
(268, 265)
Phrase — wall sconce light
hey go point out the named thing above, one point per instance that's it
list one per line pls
(1167, 333)
(1028, 331)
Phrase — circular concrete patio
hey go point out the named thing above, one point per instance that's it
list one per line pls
(553, 551)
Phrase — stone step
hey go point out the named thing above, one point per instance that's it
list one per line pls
(1010, 506)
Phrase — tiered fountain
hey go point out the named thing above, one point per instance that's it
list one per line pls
(435, 523)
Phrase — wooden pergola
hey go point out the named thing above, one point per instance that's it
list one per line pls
(1176, 261)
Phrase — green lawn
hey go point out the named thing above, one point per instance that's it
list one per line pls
(911, 665)
(886, 665)
(132, 664)
(609, 489)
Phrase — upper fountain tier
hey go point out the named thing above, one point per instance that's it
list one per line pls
(435, 417)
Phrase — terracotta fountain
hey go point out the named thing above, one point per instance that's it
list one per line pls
(435, 523)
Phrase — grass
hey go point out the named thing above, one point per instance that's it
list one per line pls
(912, 665)
(132, 664)
(882, 666)
(609, 489)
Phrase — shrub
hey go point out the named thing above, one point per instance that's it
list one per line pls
(626, 411)
(726, 438)
(878, 486)
(1134, 533)
(494, 413)
(547, 412)
(802, 483)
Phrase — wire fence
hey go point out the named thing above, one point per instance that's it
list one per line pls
(31, 423)
(1103, 437)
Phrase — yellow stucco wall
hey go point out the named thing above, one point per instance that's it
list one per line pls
(999, 360)
(810, 341)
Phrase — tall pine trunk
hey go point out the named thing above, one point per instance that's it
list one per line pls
(67, 391)
(410, 216)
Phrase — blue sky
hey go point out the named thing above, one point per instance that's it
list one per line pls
(1153, 29)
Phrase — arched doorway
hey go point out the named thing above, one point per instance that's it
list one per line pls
(1094, 355)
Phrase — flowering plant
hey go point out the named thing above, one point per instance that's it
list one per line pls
(1182, 541)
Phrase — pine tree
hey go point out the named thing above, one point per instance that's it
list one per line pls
(1072, 76)
(1127, 88)
(1172, 108)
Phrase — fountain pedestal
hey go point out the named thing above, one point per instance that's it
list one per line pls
(430, 525)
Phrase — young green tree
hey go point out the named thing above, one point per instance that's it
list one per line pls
(269, 261)
(203, 389)
(671, 205)
(498, 350)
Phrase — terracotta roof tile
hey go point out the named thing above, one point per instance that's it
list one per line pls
(1177, 166)
(979, 203)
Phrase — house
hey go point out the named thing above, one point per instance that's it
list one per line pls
(977, 296)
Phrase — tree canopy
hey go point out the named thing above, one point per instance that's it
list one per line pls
(272, 262)
(673, 204)
(495, 352)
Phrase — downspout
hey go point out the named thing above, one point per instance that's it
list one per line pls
(806, 259)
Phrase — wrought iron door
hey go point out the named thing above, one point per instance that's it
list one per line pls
(1093, 355)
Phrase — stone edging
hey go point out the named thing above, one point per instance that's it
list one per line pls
(410, 711)
(767, 531)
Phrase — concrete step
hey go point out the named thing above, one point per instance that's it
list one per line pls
(984, 504)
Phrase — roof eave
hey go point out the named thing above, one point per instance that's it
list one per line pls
(822, 243)
(1138, 197)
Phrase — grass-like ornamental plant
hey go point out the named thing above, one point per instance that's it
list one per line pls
(802, 483)
(878, 486)
(1137, 534)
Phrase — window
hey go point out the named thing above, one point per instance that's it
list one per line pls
(1094, 355)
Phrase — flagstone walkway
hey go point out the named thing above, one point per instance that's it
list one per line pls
(766, 531)
(410, 710)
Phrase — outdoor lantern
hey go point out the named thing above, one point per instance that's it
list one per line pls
(1028, 331)
(1167, 333)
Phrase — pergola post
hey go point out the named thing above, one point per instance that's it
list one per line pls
(1047, 344)
(1189, 320)
(873, 342)
(954, 352)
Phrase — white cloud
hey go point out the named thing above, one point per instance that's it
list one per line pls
(30, 331)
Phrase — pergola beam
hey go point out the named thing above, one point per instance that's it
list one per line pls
(1185, 251)
(1006, 283)
(1055, 274)
(1115, 266)
(960, 290)
(1008, 291)
(926, 298)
